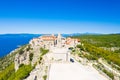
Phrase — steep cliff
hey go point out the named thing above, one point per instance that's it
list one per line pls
(29, 54)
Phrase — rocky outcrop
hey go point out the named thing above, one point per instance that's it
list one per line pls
(27, 54)
(41, 70)
(21, 59)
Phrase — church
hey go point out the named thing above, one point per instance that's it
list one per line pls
(52, 40)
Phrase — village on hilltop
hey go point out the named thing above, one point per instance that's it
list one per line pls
(46, 41)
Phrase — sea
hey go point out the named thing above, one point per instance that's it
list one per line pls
(9, 42)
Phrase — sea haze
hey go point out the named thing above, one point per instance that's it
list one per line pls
(9, 42)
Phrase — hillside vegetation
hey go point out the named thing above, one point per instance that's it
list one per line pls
(7, 65)
(94, 43)
(6, 61)
(108, 42)
(111, 40)
(9, 59)
(10, 74)
(102, 51)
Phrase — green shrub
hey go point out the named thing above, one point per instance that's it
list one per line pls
(28, 48)
(21, 65)
(73, 50)
(43, 51)
(80, 46)
(31, 56)
(70, 48)
(90, 57)
(21, 52)
(45, 77)
(40, 59)
(108, 73)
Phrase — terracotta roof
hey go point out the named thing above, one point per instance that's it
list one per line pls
(48, 38)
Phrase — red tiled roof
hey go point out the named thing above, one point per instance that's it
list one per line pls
(46, 38)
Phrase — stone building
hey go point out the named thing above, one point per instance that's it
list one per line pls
(72, 42)
(47, 41)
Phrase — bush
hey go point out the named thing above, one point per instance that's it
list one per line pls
(43, 51)
(31, 56)
(28, 48)
(45, 77)
(109, 74)
(21, 65)
(70, 48)
(90, 57)
(40, 59)
(21, 52)
(81, 47)
(73, 50)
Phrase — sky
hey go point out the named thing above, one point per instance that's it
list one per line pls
(59, 16)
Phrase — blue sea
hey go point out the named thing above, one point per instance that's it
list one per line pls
(9, 42)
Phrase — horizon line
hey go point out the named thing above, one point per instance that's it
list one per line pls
(63, 33)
